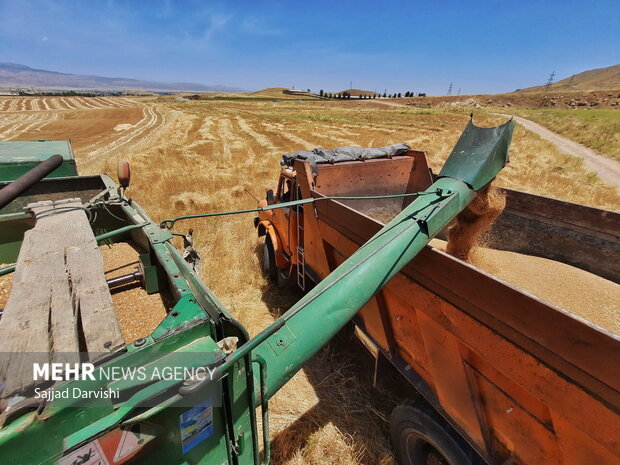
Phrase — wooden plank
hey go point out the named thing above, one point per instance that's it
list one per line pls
(548, 209)
(54, 225)
(24, 332)
(85, 306)
(59, 298)
(92, 298)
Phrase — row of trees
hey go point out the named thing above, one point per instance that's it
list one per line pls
(347, 95)
(66, 93)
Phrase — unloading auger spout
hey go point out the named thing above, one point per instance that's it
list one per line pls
(286, 345)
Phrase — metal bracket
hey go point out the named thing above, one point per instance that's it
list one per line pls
(281, 340)
(434, 220)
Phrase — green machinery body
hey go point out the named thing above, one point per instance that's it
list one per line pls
(61, 430)
(17, 157)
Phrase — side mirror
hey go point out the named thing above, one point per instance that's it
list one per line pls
(270, 197)
(123, 172)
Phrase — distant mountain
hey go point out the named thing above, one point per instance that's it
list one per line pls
(594, 79)
(20, 76)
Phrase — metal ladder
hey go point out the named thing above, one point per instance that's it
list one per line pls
(301, 262)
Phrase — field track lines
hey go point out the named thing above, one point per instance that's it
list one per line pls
(279, 129)
(203, 135)
(44, 101)
(94, 103)
(13, 104)
(118, 138)
(6, 122)
(116, 102)
(332, 135)
(22, 105)
(14, 124)
(4, 104)
(346, 130)
(100, 103)
(69, 103)
(55, 104)
(261, 139)
(224, 132)
(39, 121)
(103, 103)
(60, 104)
(149, 121)
(153, 119)
(34, 104)
(81, 103)
(123, 101)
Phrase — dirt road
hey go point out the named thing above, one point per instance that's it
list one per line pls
(607, 169)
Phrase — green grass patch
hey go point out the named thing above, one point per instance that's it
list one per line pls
(597, 129)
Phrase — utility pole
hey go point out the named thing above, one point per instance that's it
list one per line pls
(570, 82)
(550, 81)
(459, 92)
(351, 85)
(450, 89)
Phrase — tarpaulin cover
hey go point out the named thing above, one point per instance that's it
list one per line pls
(345, 154)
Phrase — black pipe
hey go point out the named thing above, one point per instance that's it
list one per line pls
(125, 279)
(11, 191)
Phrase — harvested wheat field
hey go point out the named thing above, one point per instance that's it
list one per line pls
(202, 156)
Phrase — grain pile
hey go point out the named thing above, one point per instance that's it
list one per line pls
(383, 214)
(581, 293)
(138, 313)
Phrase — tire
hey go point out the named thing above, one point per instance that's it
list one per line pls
(269, 260)
(420, 436)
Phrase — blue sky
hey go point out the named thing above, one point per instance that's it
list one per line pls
(479, 46)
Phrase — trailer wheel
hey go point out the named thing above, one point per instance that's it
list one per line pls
(269, 260)
(420, 436)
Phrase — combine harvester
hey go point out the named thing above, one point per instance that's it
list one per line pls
(74, 391)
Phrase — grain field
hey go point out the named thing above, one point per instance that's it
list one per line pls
(203, 156)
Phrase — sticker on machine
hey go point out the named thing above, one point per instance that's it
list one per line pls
(90, 454)
(132, 439)
(196, 425)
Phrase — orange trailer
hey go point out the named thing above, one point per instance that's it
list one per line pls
(503, 376)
